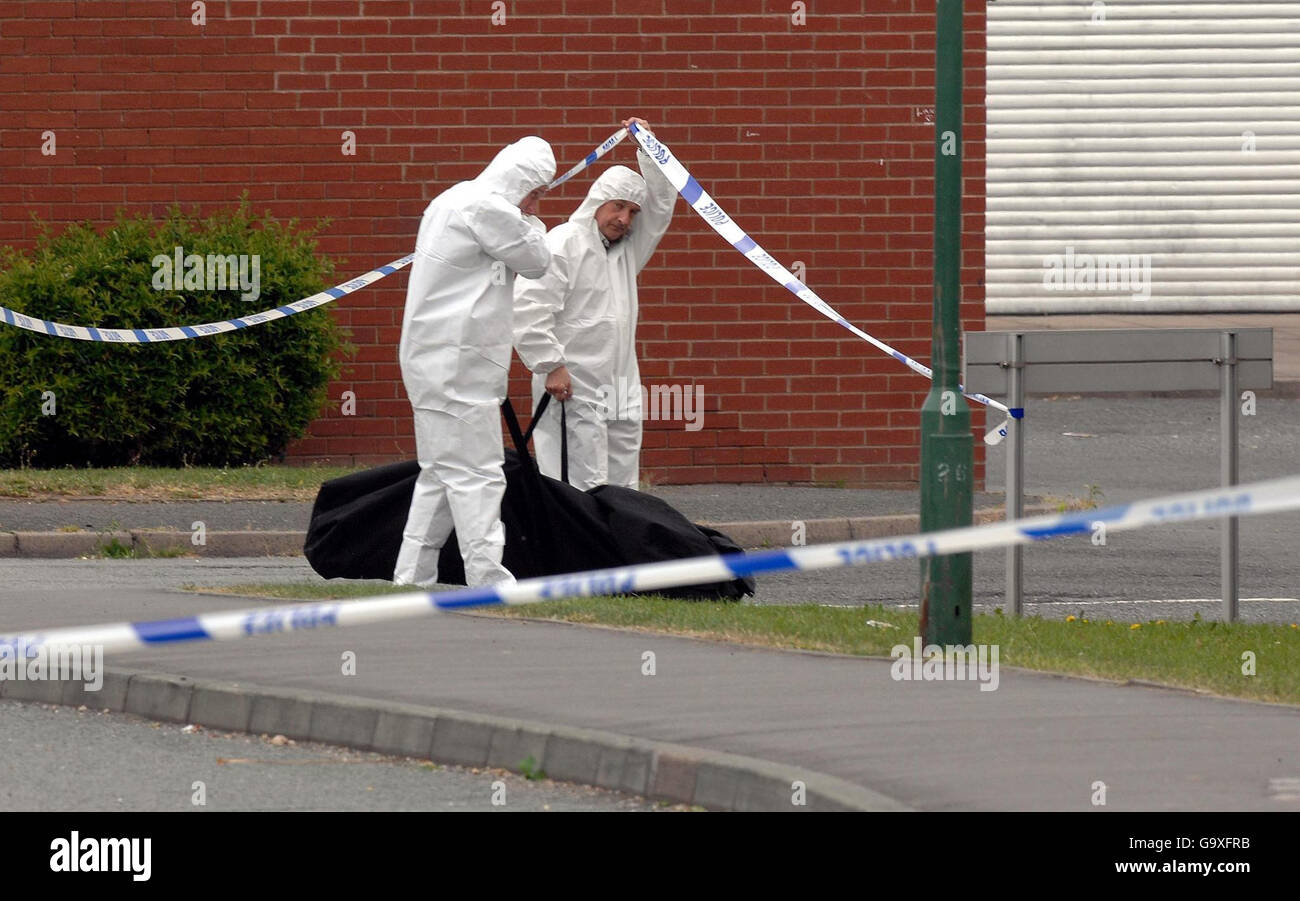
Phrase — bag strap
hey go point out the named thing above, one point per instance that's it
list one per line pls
(537, 415)
(512, 423)
(520, 437)
(564, 444)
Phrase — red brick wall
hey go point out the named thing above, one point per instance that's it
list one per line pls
(814, 136)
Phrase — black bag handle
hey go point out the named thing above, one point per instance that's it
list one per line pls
(512, 423)
(520, 438)
(564, 445)
(537, 416)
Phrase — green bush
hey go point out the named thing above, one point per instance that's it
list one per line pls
(229, 399)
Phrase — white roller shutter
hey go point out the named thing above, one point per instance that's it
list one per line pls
(1124, 133)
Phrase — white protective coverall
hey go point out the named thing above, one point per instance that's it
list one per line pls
(455, 356)
(582, 314)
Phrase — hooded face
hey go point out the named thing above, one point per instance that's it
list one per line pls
(613, 202)
(519, 170)
(614, 218)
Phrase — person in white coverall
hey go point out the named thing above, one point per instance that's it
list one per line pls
(455, 355)
(575, 327)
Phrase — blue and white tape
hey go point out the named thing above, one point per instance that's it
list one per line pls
(590, 158)
(184, 332)
(733, 234)
(1262, 497)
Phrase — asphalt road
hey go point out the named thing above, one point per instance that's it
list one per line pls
(59, 758)
(1116, 450)
(1139, 447)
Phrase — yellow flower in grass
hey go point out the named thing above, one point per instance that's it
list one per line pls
(1070, 618)
(1135, 626)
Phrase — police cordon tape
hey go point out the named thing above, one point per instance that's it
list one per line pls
(184, 332)
(733, 234)
(609, 144)
(1261, 497)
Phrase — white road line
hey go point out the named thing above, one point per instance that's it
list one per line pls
(1167, 601)
(996, 603)
(1287, 789)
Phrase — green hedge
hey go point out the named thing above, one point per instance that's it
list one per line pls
(235, 398)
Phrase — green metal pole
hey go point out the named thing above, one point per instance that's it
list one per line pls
(947, 449)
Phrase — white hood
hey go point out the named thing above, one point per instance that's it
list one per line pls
(519, 169)
(615, 183)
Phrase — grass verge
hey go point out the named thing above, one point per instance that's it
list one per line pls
(1206, 655)
(138, 483)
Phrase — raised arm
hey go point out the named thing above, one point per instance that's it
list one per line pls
(657, 211)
